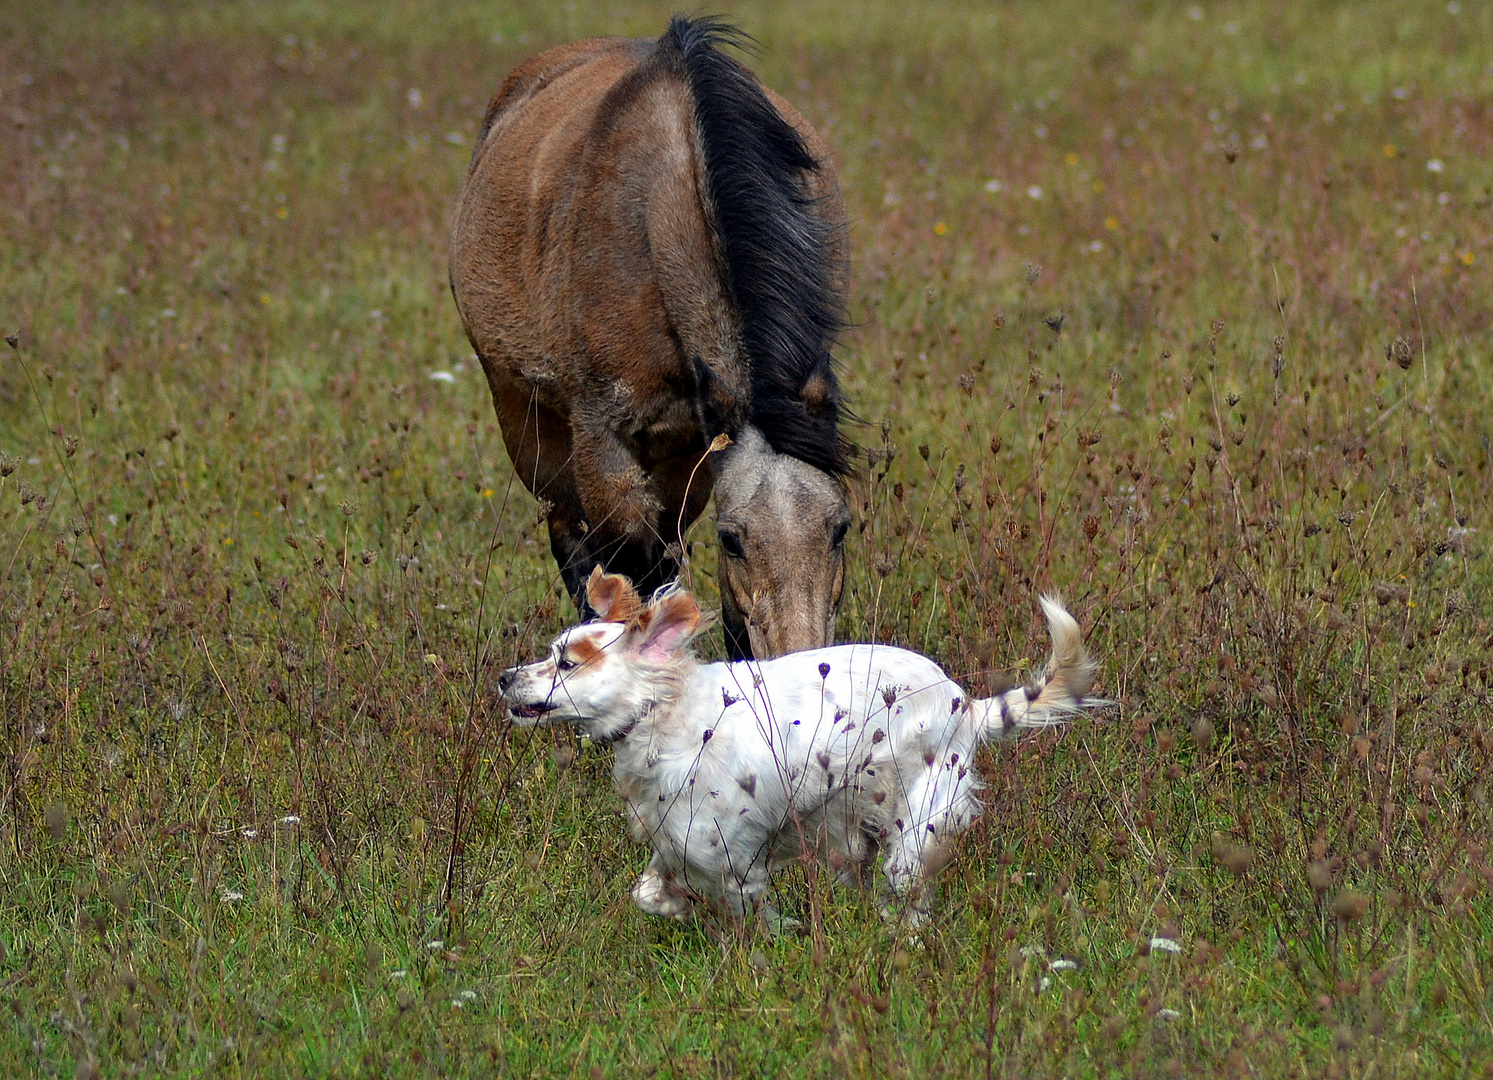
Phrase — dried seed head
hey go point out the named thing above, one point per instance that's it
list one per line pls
(1202, 732)
(1319, 875)
(9, 463)
(1401, 352)
(1235, 858)
(1033, 272)
(1349, 905)
(349, 507)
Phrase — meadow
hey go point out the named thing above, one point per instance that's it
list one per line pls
(1183, 311)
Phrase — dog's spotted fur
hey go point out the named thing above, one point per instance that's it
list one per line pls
(731, 769)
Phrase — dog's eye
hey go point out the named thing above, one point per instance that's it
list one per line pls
(731, 543)
(567, 664)
(840, 531)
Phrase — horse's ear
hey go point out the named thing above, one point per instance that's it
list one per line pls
(612, 597)
(819, 390)
(720, 406)
(668, 626)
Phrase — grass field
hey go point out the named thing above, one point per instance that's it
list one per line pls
(1184, 311)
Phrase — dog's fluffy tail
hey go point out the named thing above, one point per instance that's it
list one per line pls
(1058, 691)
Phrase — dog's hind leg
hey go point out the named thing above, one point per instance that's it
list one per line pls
(922, 843)
(911, 885)
(741, 896)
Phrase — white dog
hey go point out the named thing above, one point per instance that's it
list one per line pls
(731, 769)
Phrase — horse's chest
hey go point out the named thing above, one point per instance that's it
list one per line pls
(665, 430)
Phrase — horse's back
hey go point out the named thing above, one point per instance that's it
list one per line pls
(581, 195)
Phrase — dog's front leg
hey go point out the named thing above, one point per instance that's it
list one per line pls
(655, 895)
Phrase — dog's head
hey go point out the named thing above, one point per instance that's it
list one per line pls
(603, 675)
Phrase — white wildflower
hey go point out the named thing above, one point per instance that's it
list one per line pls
(1165, 944)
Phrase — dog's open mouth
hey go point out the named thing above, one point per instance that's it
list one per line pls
(530, 712)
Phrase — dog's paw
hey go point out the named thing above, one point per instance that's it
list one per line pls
(653, 896)
(776, 923)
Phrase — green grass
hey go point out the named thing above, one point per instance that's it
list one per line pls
(257, 568)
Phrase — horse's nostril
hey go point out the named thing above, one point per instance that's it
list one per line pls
(505, 680)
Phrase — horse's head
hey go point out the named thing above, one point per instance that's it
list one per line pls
(782, 526)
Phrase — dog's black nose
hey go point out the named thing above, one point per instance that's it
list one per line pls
(505, 680)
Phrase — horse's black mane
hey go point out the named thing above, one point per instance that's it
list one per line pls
(779, 253)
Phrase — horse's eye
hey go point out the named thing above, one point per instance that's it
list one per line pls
(731, 543)
(567, 664)
(840, 531)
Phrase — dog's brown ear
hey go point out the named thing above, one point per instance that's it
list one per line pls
(612, 597)
(667, 627)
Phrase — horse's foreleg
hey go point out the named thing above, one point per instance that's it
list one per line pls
(538, 441)
(622, 506)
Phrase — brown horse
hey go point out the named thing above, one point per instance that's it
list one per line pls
(650, 251)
